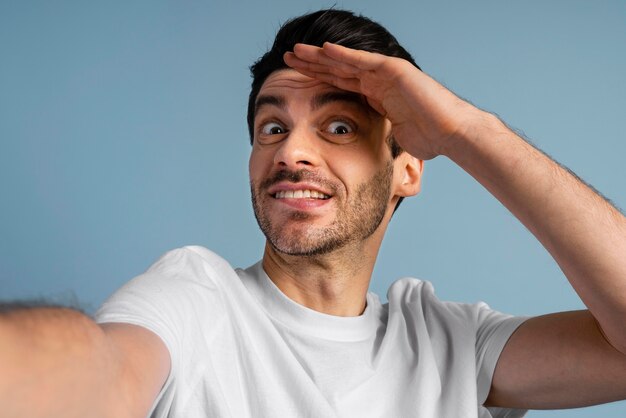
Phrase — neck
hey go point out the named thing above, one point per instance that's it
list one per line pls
(334, 283)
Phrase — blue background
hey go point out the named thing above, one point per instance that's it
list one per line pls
(122, 135)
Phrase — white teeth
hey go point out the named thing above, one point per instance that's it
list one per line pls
(300, 194)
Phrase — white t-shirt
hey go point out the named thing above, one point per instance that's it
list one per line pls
(240, 348)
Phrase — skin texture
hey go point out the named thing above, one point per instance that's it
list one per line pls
(57, 362)
(581, 360)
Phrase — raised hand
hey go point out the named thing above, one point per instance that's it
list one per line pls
(425, 116)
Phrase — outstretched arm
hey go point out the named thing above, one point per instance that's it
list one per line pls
(560, 360)
(56, 362)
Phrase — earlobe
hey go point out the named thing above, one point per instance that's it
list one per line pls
(410, 172)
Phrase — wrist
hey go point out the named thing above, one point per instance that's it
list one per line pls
(478, 126)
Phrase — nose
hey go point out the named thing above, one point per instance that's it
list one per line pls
(299, 149)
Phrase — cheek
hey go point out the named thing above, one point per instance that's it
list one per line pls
(360, 166)
(369, 157)
(354, 169)
(256, 164)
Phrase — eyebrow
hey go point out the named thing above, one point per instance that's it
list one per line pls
(337, 96)
(269, 100)
(317, 102)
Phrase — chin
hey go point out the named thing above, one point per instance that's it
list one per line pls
(305, 243)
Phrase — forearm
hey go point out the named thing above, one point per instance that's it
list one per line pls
(55, 362)
(583, 232)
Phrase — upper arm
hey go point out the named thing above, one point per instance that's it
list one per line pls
(559, 360)
(144, 362)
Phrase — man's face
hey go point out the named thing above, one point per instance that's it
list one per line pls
(320, 167)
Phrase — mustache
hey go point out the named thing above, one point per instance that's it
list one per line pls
(296, 177)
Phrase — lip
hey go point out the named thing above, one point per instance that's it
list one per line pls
(302, 204)
(289, 186)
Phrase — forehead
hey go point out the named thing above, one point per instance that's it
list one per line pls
(288, 79)
(289, 86)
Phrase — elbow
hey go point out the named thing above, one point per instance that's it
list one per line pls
(617, 339)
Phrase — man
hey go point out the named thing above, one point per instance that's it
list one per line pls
(339, 135)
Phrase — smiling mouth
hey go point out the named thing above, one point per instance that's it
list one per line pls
(300, 194)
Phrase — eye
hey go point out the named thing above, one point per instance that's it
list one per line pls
(272, 128)
(271, 132)
(339, 127)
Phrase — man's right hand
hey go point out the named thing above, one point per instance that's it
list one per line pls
(425, 116)
(56, 362)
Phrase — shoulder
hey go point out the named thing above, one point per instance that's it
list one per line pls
(185, 267)
(420, 294)
(416, 300)
(182, 279)
(180, 288)
(190, 257)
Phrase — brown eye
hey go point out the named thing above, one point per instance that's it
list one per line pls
(339, 128)
(272, 128)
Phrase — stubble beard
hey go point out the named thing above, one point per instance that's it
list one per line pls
(357, 220)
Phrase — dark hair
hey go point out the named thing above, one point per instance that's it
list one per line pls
(337, 26)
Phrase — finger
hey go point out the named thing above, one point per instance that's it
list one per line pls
(296, 63)
(377, 106)
(315, 54)
(357, 58)
(310, 53)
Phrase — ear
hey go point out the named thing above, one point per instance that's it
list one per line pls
(407, 175)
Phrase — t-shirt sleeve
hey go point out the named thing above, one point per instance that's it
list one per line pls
(464, 340)
(493, 331)
(164, 300)
(143, 300)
